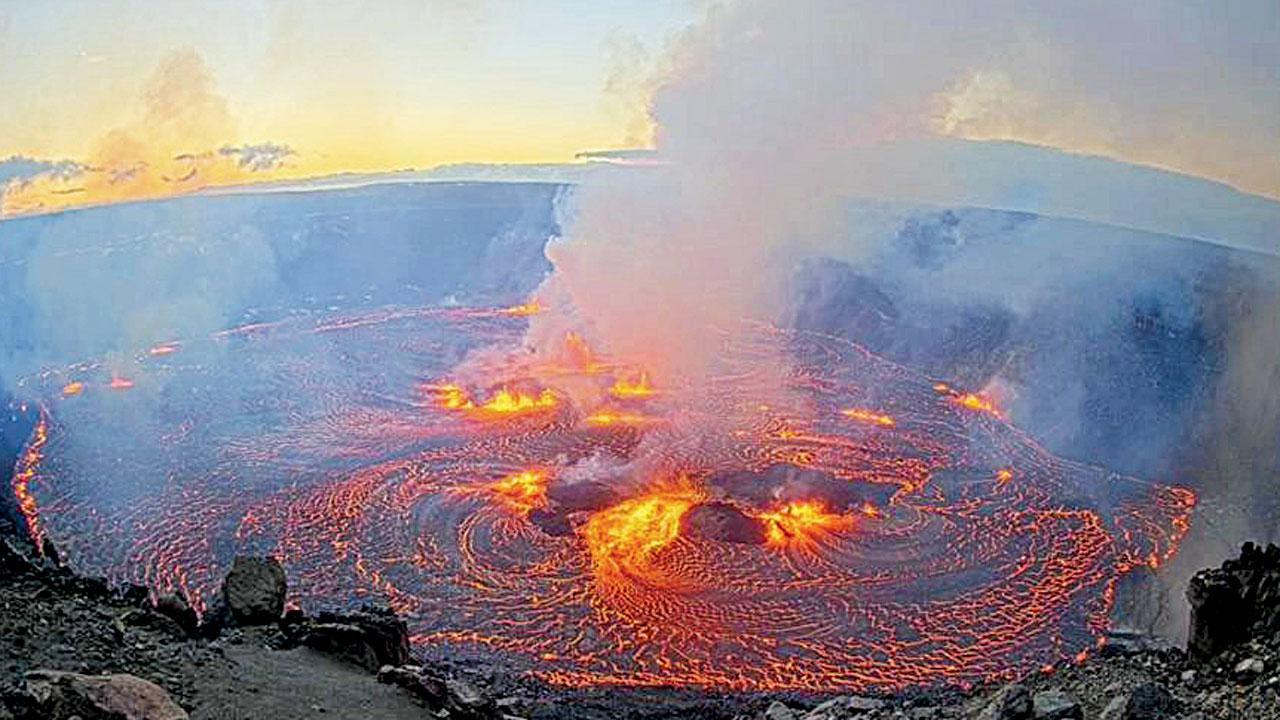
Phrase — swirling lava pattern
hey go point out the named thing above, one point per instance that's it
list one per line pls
(842, 522)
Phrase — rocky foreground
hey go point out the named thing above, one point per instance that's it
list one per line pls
(73, 647)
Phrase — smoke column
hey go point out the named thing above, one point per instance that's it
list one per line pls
(759, 108)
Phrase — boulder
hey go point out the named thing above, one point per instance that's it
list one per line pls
(1055, 705)
(1250, 668)
(150, 620)
(379, 637)
(844, 706)
(343, 641)
(64, 695)
(465, 700)
(254, 590)
(721, 521)
(1218, 617)
(1012, 702)
(411, 678)
(176, 608)
(778, 711)
(1231, 603)
(1148, 701)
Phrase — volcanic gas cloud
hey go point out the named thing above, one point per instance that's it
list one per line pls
(842, 523)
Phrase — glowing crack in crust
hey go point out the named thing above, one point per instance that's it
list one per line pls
(885, 540)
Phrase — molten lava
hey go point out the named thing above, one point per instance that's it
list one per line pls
(802, 523)
(869, 416)
(607, 418)
(523, 491)
(969, 401)
(623, 538)
(844, 525)
(25, 473)
(533, 307)
(637, 387)
(506, 401)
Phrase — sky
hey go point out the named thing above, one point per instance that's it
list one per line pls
(116, 100)
(345, 86)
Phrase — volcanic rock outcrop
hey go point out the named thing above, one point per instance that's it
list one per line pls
(254, 590)
(107, 697)
(1231, 603)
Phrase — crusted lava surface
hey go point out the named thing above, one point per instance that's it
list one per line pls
(808, 517)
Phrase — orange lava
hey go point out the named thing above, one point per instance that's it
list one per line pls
(632, 388)
(580, 355)
(25, 472)
(523, 491)
(533, 307)
(970, 401)
(508, 521)
(869, 416)
(506, 401)
(622, 539)
(802, 523)
(607, 418)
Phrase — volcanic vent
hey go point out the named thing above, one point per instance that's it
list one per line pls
(866, 528)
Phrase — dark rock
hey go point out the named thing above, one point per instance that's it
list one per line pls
(63, 695)
(1055, 705)
(1235, 601)
(467, 701)
(345, 642)
(411, 678)
(551, 522)
(778, 711)
(1148, 701)
(134, 594)
(13, 561)
(1012, 702)
(724, 522)
(384, 633)
(151, 620)
(1218, 616)
(94, 587)
(254, 590)
(843, 707)
(176, 608)
(215, 619)
(1122, 643)
(50, 552)
(582, 495)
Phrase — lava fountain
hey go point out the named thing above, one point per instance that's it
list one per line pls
(883, 531)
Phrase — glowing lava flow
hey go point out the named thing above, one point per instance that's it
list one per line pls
(867, 416)
(850, 526)
(802, 523)
(505, 401)
(24, 474)
(632, 388)
(623, 539)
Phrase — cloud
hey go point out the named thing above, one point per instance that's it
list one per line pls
(182, 138)
(257, 158)
(18, 169)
